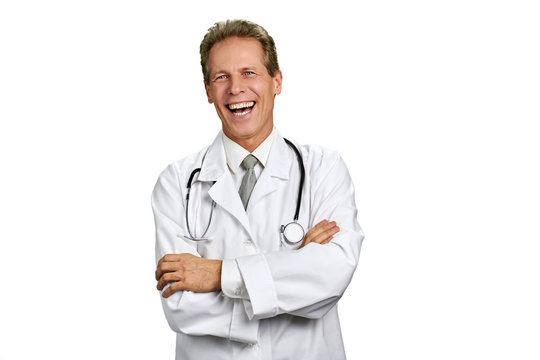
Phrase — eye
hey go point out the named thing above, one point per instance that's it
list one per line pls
(249, 73)
(221, 77)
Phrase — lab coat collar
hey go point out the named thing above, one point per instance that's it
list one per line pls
(214, 165)
(224, 192)
(279, 159)
(277, 169)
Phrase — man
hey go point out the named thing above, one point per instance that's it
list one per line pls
(233, 285)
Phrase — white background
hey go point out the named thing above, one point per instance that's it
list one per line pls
(434, 106)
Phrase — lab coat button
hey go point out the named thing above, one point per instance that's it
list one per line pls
(237, 292)
(248, 242)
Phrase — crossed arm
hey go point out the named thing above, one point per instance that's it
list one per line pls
(306, 283)
(192, 273)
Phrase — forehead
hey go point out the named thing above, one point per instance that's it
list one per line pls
(236, 53)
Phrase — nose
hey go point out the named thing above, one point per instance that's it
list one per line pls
(237, 85)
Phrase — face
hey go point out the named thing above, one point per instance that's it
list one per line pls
(242, 91)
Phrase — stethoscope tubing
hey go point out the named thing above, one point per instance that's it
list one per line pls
(298, 201)
(191, 237)
(302, 177)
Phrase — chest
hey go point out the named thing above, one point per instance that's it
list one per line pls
(234, 231)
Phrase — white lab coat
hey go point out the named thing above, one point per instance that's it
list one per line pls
(292, 308)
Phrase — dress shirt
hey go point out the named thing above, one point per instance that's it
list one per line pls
(232, 284)
(235, 154)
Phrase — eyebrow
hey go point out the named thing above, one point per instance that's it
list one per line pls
(245, 68)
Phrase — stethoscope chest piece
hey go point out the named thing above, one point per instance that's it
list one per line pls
(293, 232)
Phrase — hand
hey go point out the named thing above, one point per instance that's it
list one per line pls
(188, 272)
(321, 233)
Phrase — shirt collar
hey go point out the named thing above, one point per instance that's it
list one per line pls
(235, 154)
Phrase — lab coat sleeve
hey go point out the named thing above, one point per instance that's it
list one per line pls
(188, 312)
(309, 282)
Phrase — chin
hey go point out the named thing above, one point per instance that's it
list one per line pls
(243, 131)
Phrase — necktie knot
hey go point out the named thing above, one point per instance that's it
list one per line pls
(249, 162)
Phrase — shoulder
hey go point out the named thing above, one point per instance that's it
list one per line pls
(319, 157)
(180, 170)
(324, 167)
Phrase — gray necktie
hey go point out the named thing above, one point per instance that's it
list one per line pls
(249, 180)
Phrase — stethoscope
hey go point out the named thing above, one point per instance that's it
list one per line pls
(293, 232)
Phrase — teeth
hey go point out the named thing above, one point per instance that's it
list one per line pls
(241, 105)
(243, 112)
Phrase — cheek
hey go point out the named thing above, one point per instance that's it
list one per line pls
(215, 94)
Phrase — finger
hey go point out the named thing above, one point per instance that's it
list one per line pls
(168, 278)
(161, 261)
(166, 267)
(326, 241)
(314, 231)
(321, 223)
(322, 231)
(159, 272)
(174, 287)
(325, 235)
(329, 239)
(170, 257)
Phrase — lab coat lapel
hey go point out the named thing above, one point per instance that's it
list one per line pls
(276, 170)
(223, 192)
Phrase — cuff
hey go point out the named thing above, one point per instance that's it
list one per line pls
(232, 283)
(259, 285)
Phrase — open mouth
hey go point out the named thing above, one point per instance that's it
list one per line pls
(240, 109)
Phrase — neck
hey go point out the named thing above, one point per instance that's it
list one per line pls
(250, 143)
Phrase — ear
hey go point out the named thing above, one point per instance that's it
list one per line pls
(278, 78)
(206, 88)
